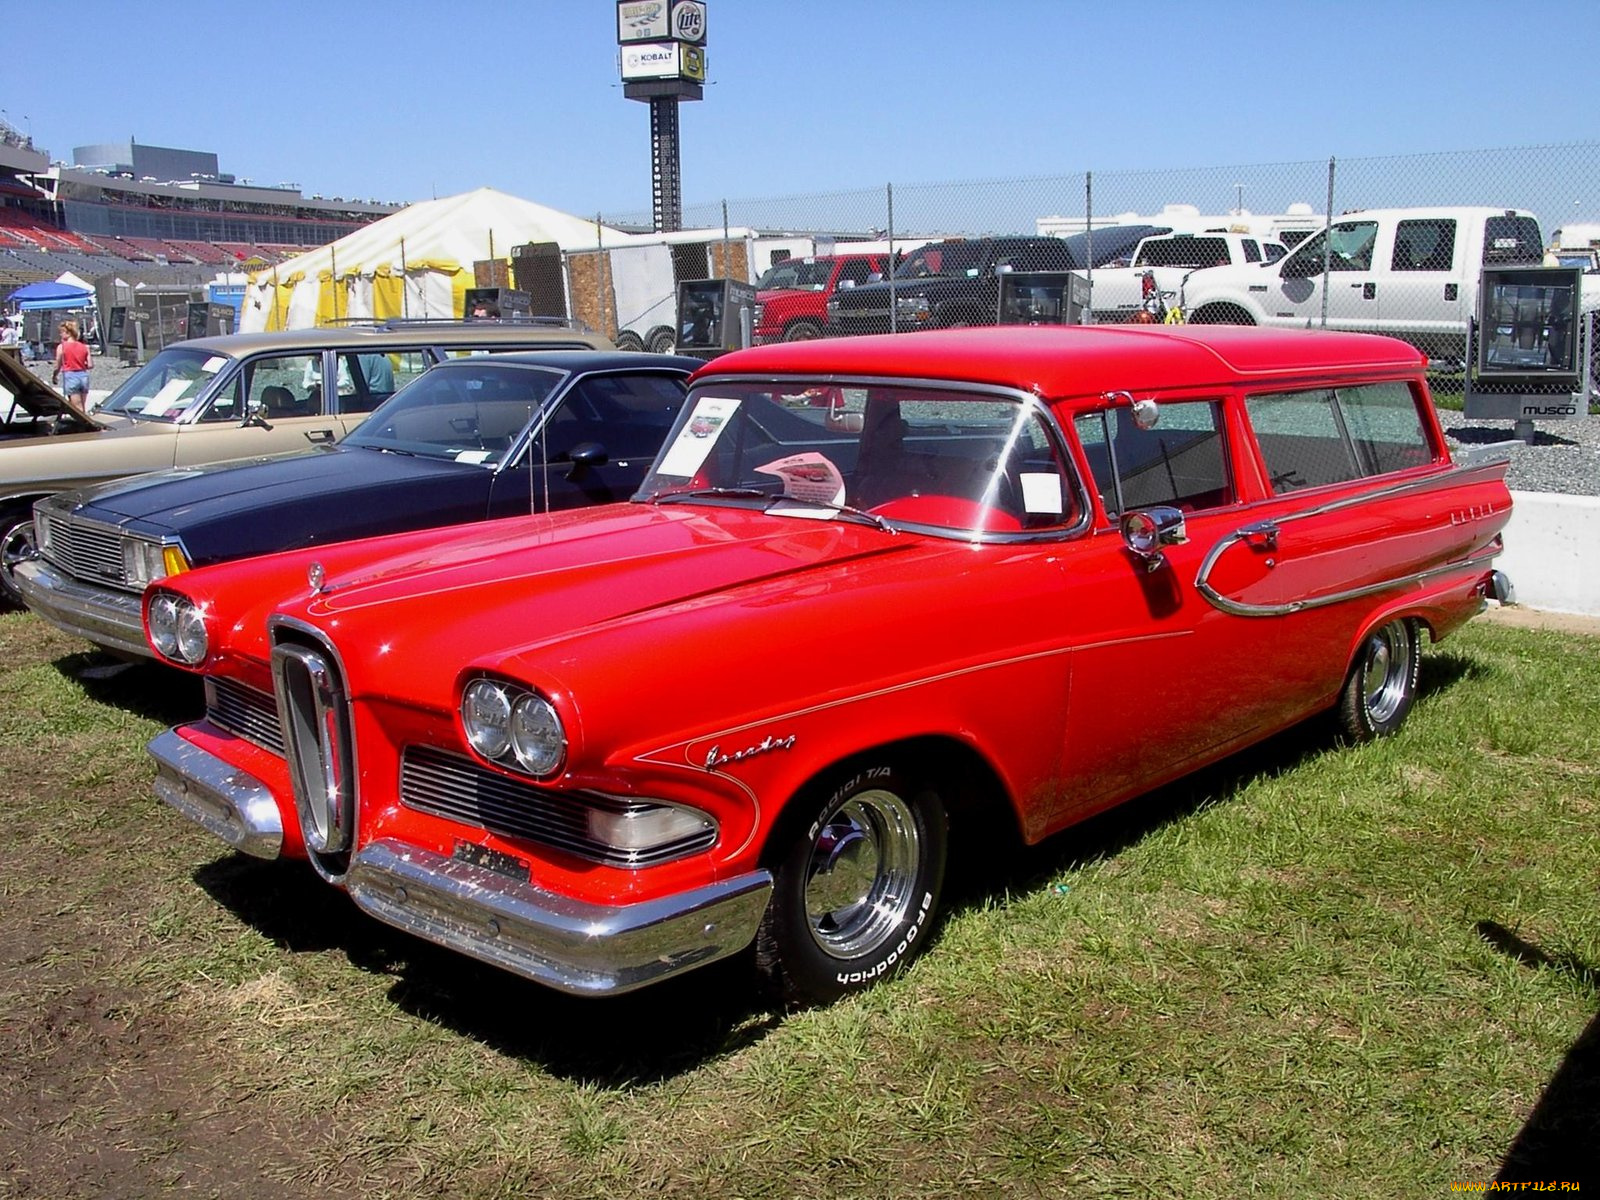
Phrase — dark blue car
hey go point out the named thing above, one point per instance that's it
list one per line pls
(473, 438)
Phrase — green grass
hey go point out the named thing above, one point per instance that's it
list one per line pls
(1310, 971)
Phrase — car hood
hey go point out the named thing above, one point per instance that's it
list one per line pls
(276, 503)
(521, 585)
(37, 398)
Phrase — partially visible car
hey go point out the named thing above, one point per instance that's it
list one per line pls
(216, 398)
(32, 407)
(792, 296)
(878, 599)
(473, 438)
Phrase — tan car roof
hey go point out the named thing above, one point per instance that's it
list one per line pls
(524, 334)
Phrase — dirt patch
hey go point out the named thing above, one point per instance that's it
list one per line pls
(1536, 618)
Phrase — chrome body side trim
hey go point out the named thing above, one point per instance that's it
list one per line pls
(1266, 532)
(235, 806)
(563, 943)
(108, 618)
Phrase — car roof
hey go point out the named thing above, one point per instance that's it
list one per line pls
(1082, 360)
(407, 333)
(579, 360)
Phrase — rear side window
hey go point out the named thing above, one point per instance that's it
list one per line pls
(1184, 252)
(1424, 245)
(1182, 461)
(1334, 435)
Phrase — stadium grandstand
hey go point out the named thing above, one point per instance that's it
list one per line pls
(161, 214)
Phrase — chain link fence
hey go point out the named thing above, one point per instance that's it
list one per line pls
(1559, 184)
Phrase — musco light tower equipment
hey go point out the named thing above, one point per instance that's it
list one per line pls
(663, 61)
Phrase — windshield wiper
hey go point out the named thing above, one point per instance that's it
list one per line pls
(847, 510)
(721, 493)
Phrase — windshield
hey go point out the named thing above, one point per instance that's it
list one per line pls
(474, 413)
(806, 275)
(167, 386)
(954, 463)
(948, 260)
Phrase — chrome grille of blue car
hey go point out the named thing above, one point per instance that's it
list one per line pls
(245, 712)
(458, 789)
(86, 550)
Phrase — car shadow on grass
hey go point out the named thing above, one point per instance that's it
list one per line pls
(1559, 1139)
(631, 1040)
(146, 689)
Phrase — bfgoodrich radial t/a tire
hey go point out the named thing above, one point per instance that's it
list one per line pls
(857, 886)
(1382, 684)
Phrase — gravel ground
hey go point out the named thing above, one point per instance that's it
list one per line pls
(1564, 456)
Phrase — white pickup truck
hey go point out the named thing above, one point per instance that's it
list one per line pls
(1168, 258)
(1409, 272)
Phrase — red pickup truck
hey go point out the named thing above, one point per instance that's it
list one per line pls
(792, 297)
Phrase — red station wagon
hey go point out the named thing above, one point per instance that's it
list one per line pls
(875, 592)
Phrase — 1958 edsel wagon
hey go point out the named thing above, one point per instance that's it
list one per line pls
(874, 591)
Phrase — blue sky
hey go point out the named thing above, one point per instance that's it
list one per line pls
(406, 100)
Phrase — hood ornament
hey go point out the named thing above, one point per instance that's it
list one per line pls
(317, 578)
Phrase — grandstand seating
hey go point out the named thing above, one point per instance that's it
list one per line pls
(204, 252)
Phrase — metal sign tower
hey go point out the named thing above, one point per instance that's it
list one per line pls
(663, 61)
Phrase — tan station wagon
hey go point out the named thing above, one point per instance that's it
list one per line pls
(240, 396)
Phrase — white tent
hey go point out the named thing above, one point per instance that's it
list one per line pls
(416, 263)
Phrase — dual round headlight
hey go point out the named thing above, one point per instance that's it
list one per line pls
(513, 726)
(178, 629)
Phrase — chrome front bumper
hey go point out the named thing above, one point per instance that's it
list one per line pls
(104, 616)
(566, 944)
(235, 806)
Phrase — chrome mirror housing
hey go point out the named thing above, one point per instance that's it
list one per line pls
(1146, 530)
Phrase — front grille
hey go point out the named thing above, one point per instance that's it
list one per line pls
(458, 789)
(85, 550)
(245, 712)
(318, 745)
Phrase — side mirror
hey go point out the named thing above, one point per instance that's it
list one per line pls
(1147, 530)
(585, 456)
(1301, 266)
(255, 413)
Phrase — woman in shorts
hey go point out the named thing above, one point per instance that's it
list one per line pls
(72, 367)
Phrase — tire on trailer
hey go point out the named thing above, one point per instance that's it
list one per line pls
(857, 886)
(1220, 314)
(16, 544)
(1382, 684)
(802, 331)
(662, 341)
(630, 341)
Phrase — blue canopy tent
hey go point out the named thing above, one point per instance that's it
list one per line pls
(34, 296)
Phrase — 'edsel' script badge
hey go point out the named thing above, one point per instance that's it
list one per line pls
(715, 758)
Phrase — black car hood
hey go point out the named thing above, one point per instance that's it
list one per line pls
(38, 399)
(236, 510)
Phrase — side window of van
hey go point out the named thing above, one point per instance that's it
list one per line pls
(1334, 435)
(1181, 461)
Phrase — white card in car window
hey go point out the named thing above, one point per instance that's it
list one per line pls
(473, 456)
(1041, 492)
(213, 364)
(699, 434)
(166, 397)
(809, 477)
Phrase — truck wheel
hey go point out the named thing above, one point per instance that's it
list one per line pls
(1382, 684)
(1220, 314)
(630, 341)
(857, 888)
(662, 341)
(16, 545)
(802, 331)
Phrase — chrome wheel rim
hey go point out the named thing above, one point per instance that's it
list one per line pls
(16, 546)
(1386, 672)
(861, 872)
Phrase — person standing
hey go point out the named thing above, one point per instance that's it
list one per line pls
(73, 361)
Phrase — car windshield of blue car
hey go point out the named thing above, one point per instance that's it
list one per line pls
(167, 386)
(474, 412)
(953, 463)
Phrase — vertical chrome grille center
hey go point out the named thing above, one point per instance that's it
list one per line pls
(314, 716)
